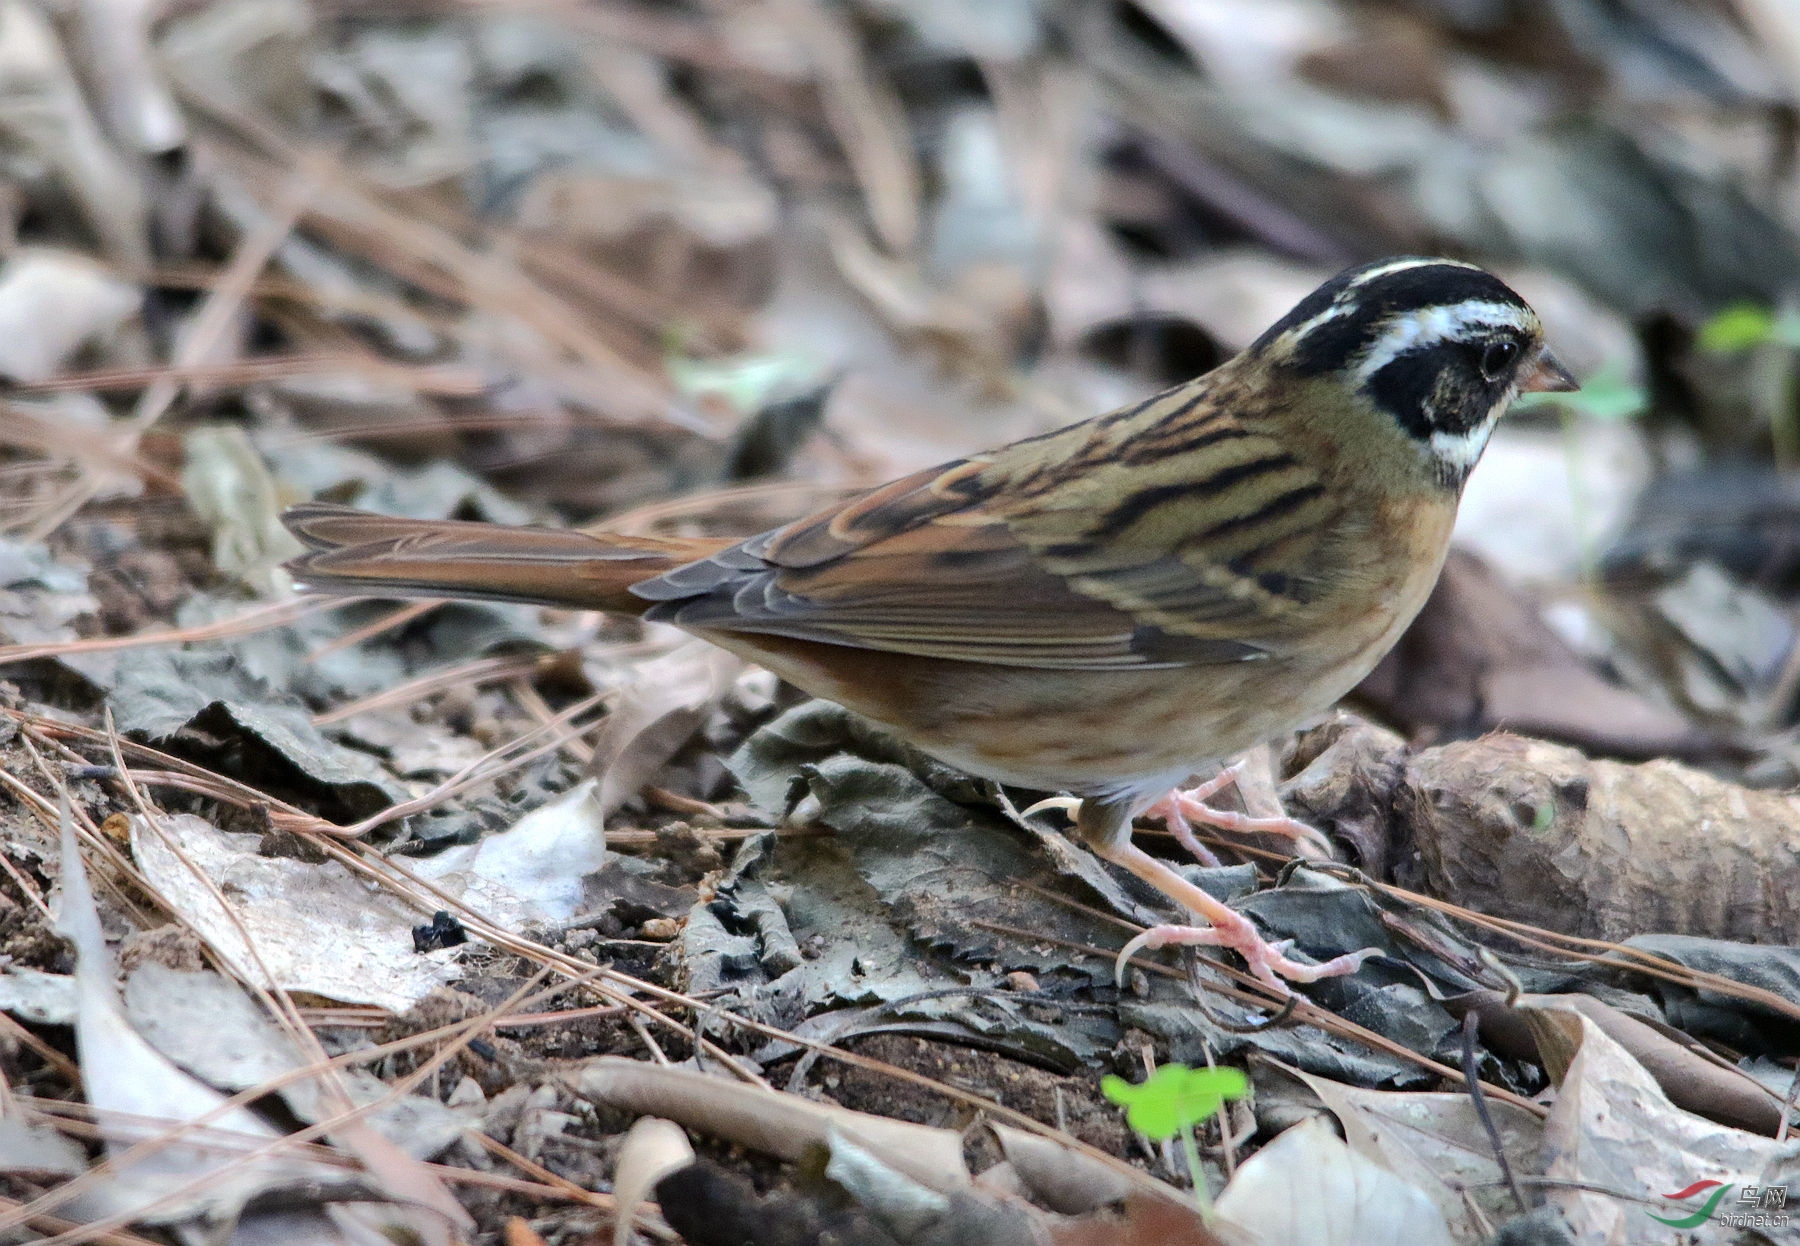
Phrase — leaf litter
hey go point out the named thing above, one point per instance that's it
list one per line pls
(397, 883)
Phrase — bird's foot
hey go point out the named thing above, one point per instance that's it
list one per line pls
(1267, 961)
(1181, 809)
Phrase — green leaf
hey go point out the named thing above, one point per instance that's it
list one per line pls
(1737, 328)
(1174, 1097)
(747, 382)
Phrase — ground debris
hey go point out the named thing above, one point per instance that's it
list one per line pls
(1610, 850)
(383, 880)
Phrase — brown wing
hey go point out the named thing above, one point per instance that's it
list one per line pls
(1140, 539)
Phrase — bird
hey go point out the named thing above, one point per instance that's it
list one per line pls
(1103, 610)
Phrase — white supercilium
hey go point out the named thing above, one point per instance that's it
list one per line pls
(1427, 327)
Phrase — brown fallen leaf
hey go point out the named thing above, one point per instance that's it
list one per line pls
(1618, 1150)
(1538, 833)
(1479, 657)
(1145, 1220)
(1694, 1083)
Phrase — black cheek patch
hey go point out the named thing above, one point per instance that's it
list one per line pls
(1407, 390)
(1433, 391)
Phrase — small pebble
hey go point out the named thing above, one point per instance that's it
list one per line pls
(1019, 980)
(661, 929)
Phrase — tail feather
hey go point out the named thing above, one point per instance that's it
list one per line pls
(352, 551)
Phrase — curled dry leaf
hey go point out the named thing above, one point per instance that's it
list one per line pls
(1693, 1083)
(1435, 1140)
(1619, 1149)
(1308, 1186)
(766, 1120)
(664, 702)
(1539, 833)
(1063, 1180)
(787, 1126)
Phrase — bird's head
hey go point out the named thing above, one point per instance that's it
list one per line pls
(1438, 347)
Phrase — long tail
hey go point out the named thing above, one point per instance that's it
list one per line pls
(355, 551)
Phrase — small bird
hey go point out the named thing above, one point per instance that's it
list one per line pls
(1099, 610)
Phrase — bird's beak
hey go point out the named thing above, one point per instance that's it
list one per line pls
(1547, 376)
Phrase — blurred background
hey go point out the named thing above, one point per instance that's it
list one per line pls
(570, 261)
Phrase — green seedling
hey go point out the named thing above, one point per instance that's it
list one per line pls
(1745, 329)
(1745, 326)
(745, 382)
(1172, 1101)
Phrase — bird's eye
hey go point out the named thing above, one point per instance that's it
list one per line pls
(1498, 357)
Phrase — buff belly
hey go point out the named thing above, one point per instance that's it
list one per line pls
(1087, 732)
(1097, 733)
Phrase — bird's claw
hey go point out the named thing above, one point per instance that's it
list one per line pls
(1068, 804)
(1180, 810)
(1267, 961)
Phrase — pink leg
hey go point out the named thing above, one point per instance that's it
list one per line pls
(1107, 830)
(1267, 961)
(1180, 809)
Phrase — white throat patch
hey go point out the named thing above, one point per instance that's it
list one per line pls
(1461, 451)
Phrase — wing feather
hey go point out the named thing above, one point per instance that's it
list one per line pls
(1076, 551)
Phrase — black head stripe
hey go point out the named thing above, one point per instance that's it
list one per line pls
(1367, 305)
